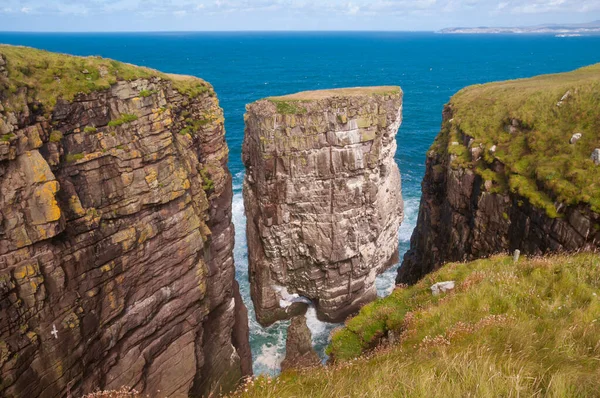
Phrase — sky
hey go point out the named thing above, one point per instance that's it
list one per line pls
(264, 15)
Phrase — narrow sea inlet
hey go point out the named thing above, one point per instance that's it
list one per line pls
(244, 67)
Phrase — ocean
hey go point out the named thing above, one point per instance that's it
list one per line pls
(244, 67)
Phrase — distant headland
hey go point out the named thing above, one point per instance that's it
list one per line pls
(562, 30)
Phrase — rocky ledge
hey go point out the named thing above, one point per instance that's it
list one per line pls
(322, 199)
(513, 168)
(116, 239)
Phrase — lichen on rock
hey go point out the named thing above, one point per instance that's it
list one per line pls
(322, 198)
(116, 264)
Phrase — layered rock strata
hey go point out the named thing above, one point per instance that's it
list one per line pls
(116, 239)
(322, 199)
(497, 188)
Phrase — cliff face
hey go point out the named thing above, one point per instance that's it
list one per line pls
(322, 198)
(511, 169)
(116, 239)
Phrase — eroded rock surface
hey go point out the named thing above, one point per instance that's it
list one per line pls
(116, 240)
(322, 198)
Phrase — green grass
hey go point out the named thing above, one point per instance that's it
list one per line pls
(50, 76)
(540, 163)
(525, 329)
(89, 129)
(290, 107)
(125, 118)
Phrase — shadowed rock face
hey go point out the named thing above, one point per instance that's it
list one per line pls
(322, 198)
(116, 264)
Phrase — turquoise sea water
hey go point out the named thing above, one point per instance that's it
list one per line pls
(244, 67)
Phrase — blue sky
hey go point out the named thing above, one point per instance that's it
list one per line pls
(198, 15)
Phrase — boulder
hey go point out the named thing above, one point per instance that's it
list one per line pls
(442, 287)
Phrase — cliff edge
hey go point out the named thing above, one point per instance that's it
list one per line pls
(322, 199)
(515, 166)
(116, 240)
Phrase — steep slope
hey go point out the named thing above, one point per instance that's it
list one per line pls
(322, 198)
(525, 329)
(513, 168)
(116, 239)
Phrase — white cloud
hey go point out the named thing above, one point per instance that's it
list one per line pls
(353, 9)
(25, 10)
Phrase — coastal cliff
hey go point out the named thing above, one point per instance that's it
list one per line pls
(322, 199)
(116, 239)
(514, 167)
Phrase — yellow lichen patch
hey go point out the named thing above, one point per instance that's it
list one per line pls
(20, 237)
(151, 177)
(201, 275)
(4, 352)
(112, 300)
(71, 321)
(146, 233)
(126, 238)
(75, 205)
(127, 178)
(92, 292)
(47, 207)
(25, 271)
(107, 267)
(32, 336)
(119, 279)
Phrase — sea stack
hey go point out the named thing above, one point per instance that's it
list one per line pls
(322, 198)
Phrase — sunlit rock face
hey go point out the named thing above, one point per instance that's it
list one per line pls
(322, 197)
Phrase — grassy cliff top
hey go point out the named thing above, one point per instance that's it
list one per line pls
(50, 76)
(531, 122)
(528, 329)
(338, 92)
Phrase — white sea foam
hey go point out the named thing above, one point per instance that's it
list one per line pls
(270, 357)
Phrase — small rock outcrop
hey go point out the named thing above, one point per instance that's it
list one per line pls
(322, 198)
(299, 352)
(525, 190)
(596, 156)
(116, 240)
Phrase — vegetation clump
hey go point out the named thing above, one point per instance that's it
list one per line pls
(528, 329)
(125, 118)
(289, 107)
(147, 93)
(529, 124)
(73, 157)
(89, 129)
(56, 136)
